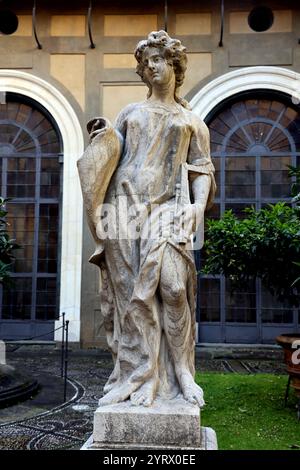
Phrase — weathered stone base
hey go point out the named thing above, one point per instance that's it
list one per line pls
(167, 424)
(207, 436)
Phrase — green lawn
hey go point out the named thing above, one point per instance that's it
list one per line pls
(247, 411)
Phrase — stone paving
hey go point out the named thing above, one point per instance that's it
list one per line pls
(44, 422)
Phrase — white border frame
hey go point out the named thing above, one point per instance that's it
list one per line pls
(248, 78)
(16, 81)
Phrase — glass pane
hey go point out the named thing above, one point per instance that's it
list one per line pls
(25, 143)
(274, 311)
(275, 182)
(21, 177)
(16, 303)
(240, 177)
(288, 117)
(48, 140)
(47, 254)
(237, 209)
(217, 162)
(213, 213)
(209, 300)
(241, 305)
(258, 133)
(238, 142)
(7, 134)
(293, 130)
(240, 111)
(46, 299)
(278, 141)
(34, 119)
(27, 135)
(216, 140)
(20, 220)
(50, 171)
(219, 126)
(18, 112)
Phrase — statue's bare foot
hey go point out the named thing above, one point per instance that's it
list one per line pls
(108, 387)
(112, 380)
(191, 391)
(117, 394)
(145, 394)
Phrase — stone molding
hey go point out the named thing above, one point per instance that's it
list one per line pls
(244, 79)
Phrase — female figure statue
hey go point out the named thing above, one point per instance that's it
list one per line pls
(155, 155)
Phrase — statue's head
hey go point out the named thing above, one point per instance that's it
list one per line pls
(171, 50)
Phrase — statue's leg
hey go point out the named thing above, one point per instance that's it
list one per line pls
(139, 328)
(177, 321)
(146, 393)
(117, 279)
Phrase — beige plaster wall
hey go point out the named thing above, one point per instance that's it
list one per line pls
(129, 25)
(119, 61)
(193, 23)
(116, 97)
(25, 26)
(69, 69)
(199, 67)
(238, 22)
(68, 25)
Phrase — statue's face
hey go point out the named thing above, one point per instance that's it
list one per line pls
(157, 71)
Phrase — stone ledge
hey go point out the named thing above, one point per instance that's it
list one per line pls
(208, 441)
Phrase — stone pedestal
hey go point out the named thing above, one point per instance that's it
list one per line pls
(168, 424)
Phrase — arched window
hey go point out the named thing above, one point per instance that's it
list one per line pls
(254, 136)
(30, 155)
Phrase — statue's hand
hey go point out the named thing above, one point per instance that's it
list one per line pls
(188, 219)
(97, 126)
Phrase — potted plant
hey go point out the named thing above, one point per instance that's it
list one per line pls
(291, 344)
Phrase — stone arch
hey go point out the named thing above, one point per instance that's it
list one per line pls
(63, 114)
(245, 79)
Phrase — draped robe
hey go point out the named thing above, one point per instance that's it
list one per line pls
(156, 154)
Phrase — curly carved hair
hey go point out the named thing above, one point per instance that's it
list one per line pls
(172, 50)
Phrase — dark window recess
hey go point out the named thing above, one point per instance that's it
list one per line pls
(254, 137)
(260, 19)
(30, 177)
(8, 22)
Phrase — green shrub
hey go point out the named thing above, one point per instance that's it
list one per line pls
(7, 246)
(266, 244)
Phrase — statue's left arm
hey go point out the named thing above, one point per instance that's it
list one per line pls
(201, 169)
(201, 176)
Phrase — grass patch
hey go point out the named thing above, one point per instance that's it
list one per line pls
(247, 411)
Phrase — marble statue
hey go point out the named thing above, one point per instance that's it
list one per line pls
(146, 182)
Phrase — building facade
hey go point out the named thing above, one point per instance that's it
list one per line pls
(61, 65)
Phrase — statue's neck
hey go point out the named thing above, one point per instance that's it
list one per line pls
(164, 94)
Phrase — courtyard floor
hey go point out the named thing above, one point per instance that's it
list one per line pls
(45, 422)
